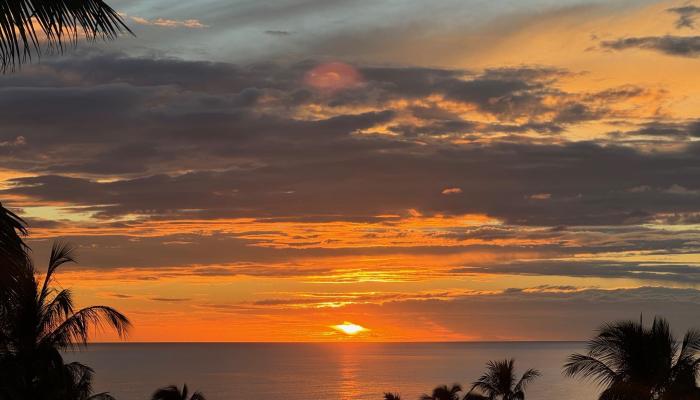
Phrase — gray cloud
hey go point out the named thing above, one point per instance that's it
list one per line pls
(658, 272)
(211, 140)
(684, 46)
(689, 129)
(686, 15)
(187, 139)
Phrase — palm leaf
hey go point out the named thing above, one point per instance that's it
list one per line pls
(475, 396)
(27, 27)
(75, 330)
(173, 393)
(101, 396)
(589, 367)
(529, 376)
(197, 396)
(13, 250)
(167, 393)
(61, 253)
(57, 310)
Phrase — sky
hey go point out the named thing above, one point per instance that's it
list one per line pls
(428, 171)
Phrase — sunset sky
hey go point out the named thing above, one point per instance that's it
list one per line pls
(400, 170)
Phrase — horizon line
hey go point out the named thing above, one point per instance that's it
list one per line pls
(344, 342)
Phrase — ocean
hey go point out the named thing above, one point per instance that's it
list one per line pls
(338, 371)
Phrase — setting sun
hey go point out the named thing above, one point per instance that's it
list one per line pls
(349, 328)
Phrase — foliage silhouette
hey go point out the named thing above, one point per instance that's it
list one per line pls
(40, 321)
(633, 362)
(444, 393)
(500, 382)
(173, 393)
(28, 27)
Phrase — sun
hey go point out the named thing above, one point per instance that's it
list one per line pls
(349, 328)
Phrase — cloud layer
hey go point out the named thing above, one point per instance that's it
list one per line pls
(357, 169)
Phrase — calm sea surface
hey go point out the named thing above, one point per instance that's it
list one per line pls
(340, 371)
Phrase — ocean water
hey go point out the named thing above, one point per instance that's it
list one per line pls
(339, 371)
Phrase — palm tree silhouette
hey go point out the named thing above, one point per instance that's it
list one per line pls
(392, 396)
(444, 393)
(500, 382)
(173, 393)
(39, 322)
(633, 362)
(29, 26)
(13, 250)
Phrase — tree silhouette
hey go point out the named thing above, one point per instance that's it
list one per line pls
(173, 393)
(500, 382)
(633, 362)
(13, 250)
(392, 396)
(29, 27)
(444, 393)
(39, 321)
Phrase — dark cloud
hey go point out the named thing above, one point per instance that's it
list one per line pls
(184, 139)
(684, 46)
(120, 295)
(658, 272)
(586, 183)
(686, 15)
(170, 299)
(681, 130)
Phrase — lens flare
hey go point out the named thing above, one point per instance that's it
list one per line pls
(333, 76)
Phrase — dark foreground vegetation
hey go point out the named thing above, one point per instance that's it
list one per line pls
(38, 322)
(627, 359)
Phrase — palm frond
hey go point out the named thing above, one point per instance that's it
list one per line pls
(101, 396)
(75, 330)
(197, 396)
(29, 26)
(78, 379)
(447, 393)
(173, 393)
(529, 376)
(56, 311)
(167, 393)
(184, 392)
(13, 250)
(61, 253)
(589, 367)
(475, 396)
(392, 396)
(690, 346)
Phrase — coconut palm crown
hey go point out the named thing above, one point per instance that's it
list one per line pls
(633, 362)
(444, 392)
(500, 382)
(39, 322)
